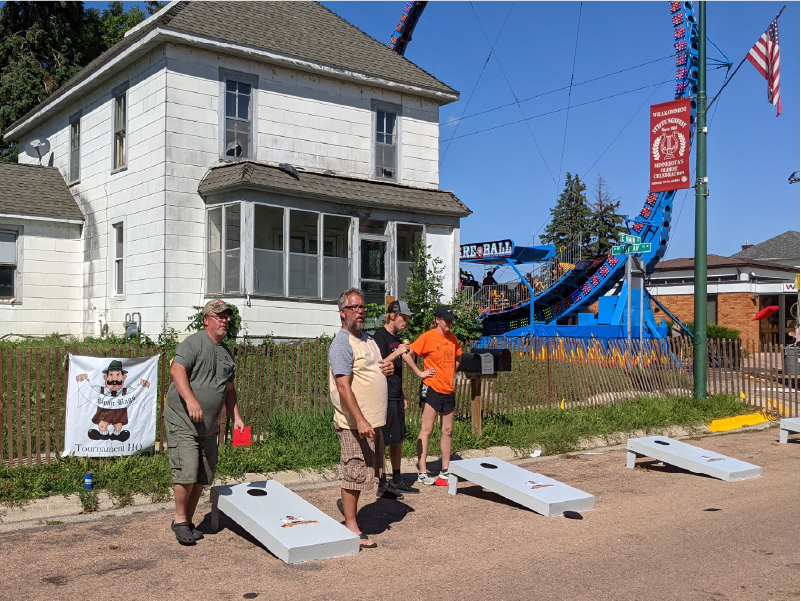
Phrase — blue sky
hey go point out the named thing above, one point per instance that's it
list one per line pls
(511, 176)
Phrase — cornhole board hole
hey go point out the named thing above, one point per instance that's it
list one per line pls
(539, 493)
(787, 425)
(292, 529)
(690, 458)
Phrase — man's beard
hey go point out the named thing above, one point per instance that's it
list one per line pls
(355, 325)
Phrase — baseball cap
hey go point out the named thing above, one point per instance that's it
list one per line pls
(399, 306)
(444, 311)
(217, 306)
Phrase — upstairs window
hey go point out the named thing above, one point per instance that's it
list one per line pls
(386, 143)
(75, 149)
(118, 245)
(120, 130)
(8, 264)
(238, 115)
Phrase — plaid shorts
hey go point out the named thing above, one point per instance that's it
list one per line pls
(362, 460)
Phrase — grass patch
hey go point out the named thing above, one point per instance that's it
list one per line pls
(296, 442)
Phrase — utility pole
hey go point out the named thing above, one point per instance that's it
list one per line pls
(700, 353)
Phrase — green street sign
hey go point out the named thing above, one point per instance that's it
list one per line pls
(640, 248)
(620, 250)
(628, 239)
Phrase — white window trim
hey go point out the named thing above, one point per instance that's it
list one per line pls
(112, 256)
(17, 298)
(380, 105)
(120, 90)
(74, 119)
(396, 284)
(253, 80)
(243, 238)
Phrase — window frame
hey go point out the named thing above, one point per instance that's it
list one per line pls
(18, 232)
(253, 80)
(114, 224)
(396, 292)
(243, 239)
(377, 106)
(120, 91)
(74, 162)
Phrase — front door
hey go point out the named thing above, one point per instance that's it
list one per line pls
(373, 274)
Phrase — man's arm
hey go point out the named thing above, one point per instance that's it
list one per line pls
(348, 400)
(181, 381)
(232, 406)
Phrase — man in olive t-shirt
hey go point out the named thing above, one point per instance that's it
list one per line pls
(203, 380)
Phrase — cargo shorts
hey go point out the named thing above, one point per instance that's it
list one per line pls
(193, 458)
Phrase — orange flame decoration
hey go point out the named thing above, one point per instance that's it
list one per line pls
(596, 354)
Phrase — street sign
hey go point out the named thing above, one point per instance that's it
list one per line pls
(629, 239)
(640, 248)
(620, 250)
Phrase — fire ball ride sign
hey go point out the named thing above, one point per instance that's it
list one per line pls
(670, 145)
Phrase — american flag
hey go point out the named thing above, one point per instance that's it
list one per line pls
(765, 57)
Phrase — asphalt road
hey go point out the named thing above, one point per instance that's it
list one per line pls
(656, 533)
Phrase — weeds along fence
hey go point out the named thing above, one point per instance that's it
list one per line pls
(546, 373)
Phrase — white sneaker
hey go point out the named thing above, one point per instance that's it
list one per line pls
(424, 478)
(444, 474)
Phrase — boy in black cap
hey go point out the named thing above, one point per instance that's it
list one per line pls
(395, 429)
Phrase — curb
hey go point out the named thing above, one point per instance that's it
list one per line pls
(59, 510)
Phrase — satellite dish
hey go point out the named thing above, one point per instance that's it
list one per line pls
(37, 148)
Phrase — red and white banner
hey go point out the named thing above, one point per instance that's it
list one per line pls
(670, 145)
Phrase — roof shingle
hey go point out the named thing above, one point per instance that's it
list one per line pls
(716, 261)
(36, 191)
(330, 187)
(783, 246)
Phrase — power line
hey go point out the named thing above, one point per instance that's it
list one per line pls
(570, 95)
(480, 75)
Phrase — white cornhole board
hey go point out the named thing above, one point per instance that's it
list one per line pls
(539, 493)
(690, 458)
(315, 535)
(787, 425)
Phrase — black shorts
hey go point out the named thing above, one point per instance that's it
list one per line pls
(442, 403)
(395, 428)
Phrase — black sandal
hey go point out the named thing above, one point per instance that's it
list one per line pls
(363, 537)
(183, 532)
(197, 534)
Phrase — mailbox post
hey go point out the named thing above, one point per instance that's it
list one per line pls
(476, 365)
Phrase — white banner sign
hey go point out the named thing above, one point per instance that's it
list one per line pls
(111, 406)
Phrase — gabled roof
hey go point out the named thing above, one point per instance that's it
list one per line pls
(783, 246)
(345, 190)
(718, 262)
(36, 191)
(291, 31)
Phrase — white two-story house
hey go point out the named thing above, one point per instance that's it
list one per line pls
(268, 153)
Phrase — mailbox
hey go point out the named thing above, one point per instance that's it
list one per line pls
(501, 358)
(477, 363)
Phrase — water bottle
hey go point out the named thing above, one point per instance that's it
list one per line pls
(87, 481)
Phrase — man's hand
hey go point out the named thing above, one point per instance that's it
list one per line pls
(239, 424)
(194, 411)
(144, 383)
(387, 368)
(81, 377)
(428, 373)
(364, 428)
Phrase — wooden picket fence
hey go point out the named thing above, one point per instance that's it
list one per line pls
(546, 373)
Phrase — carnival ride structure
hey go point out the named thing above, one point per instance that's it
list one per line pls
(568, 283)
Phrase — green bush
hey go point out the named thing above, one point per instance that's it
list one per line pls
(715, 331)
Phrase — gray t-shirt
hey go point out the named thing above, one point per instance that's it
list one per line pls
(209, 366)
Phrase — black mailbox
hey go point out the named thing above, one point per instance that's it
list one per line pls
(501, 357)
(477, 363)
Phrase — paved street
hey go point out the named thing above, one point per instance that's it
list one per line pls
(656, 533)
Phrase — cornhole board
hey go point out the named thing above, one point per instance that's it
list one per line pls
(787, 425)
(539, 493)
(690, 458)
(292, 529)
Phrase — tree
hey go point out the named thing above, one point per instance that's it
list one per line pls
(607, 224)
(571, 216)
(424, 294)
(42, 45)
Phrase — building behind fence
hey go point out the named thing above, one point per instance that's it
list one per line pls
(546, 373)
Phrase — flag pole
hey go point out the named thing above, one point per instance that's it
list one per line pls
(700, 358)
(725, 83)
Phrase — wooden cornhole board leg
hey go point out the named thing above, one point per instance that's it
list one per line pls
(690, 458)
(539, 493)
(292, 529)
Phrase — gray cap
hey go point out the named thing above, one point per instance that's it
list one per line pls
(399, 306)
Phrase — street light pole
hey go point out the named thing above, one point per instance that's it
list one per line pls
(700, 359)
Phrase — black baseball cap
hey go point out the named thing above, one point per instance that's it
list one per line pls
(444, 311)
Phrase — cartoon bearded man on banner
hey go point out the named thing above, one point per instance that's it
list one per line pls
(107, 415)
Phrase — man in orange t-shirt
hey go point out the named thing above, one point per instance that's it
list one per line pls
(441, 354)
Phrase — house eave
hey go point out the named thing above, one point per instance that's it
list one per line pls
(39, 218)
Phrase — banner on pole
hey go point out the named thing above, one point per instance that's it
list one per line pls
(111, 406)
(670, 145)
